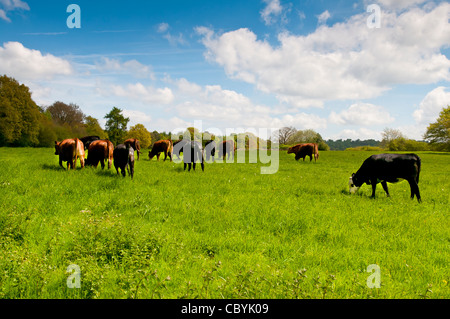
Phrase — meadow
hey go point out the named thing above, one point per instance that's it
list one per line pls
(227, 232)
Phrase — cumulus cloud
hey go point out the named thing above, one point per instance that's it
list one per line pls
(228, 108)
(432, 105)
(345, 61)
(362, 114)
(27, 64)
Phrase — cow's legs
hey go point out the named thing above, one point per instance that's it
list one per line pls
(157, 156)
(165, 155)
(374, 186)
(385, 187)
(193, 166)
(185, 164)
(414, 190)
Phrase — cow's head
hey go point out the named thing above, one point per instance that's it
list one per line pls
(57, 147)
(354, 184)
(290, 150)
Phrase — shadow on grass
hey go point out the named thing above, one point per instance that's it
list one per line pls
(56, 167)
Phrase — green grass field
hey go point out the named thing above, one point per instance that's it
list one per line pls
(228, 232)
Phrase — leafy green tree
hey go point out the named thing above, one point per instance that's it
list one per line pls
(438, 133)
(116, 126)
(93, 127)
(19, 114)
(140, 132)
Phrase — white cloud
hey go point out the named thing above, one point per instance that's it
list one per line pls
(131, 67)
(26, 64)
(163, 27)
(362, 114)
(11, 5)
(229, 109)
(144, 94)
(137, 117)
(397, 4)
(345, 61)
(432, 105)
(323, 17)
(3, 16)
(273, 8)
(174, 40)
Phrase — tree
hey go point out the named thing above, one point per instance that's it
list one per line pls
(438, 133)
(389, 135)
(285, 133)
(19, 114)
(308, 136)
(63, 113)
(93, 128)
(116, 126)
(140, 132)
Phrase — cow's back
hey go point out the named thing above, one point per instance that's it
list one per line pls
(387, 165)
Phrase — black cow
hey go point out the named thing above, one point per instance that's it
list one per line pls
(193, 152)
(178, 147)
(124, 159)
(87, 140)
(210, 149)
(390, 168)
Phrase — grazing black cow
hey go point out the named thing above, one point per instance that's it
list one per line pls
(210, 149)
(87, 140)
(390, 168)
(193, 152)
(178, 147)
(124, 159)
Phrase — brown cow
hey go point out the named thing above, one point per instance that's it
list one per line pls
(69, 150)
(165, 146)
(226, 148)
(100, 151)
(134, 143)
(303, 150)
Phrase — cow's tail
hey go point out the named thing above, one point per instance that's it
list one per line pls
(419, 164)
(108, 153)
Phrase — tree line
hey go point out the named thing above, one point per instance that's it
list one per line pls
(24, 123)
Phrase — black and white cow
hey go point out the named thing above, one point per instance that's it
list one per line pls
(390, 168)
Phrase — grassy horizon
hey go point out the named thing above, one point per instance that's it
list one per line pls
(228, 232)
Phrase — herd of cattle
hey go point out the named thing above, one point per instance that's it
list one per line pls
(380, 168)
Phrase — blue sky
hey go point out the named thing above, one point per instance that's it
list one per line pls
(237, 64)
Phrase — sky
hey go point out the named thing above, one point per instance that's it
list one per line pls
(346, 69)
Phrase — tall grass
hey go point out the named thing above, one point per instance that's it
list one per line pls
(228, 232)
